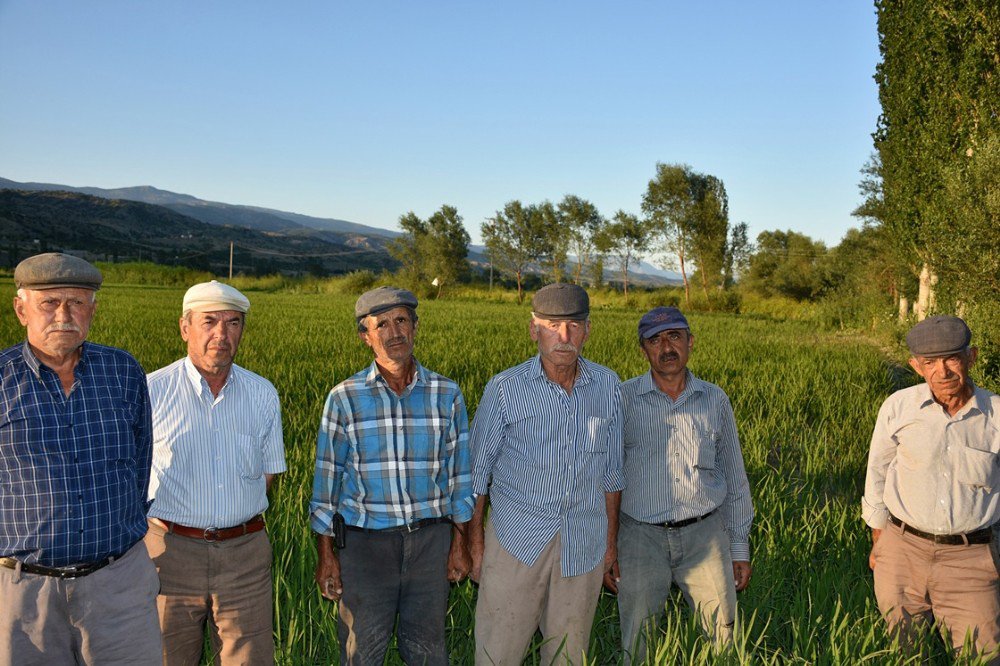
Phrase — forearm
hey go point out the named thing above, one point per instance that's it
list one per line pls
(612, 503)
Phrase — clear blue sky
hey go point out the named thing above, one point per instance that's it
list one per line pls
(365, 110)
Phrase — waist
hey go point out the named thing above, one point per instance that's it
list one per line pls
(66, 573)
(255, 524)
(677, 524)
(984, 535)
(409, 527)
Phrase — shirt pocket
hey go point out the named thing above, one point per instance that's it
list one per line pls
(597, 434)
(707, 444)
(977, 469)
(251, 456)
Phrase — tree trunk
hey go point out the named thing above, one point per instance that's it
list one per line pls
(625, 278)
(925, 296)
(520, 294)
(687, 287)
(704, 284)
(904, 309)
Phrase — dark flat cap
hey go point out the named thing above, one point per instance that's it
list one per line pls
(661, 319)
(54, 270)
(561, 301)
(382, 299)
(942, 335)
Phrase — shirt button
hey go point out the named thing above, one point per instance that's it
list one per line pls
(676, 479)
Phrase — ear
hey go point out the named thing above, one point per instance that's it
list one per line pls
(533, 329)
(690, 341)
(916, 366)
(19, 310)
(363, 335)
(586, 332)
(973, 355)
(183, 324)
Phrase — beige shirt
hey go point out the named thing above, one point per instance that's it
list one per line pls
(938, 473)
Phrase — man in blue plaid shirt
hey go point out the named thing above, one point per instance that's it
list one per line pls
(393, 462)
(76, 584)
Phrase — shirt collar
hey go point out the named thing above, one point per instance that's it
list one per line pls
(692, 385)
(374, 376)
(35, 365)
(199, 383)
(980, 400)
(583, 372)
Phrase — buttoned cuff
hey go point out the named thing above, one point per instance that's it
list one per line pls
(875, 517)
(740, 552)
(614, 481)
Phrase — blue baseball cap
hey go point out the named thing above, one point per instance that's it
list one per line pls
(661, 319)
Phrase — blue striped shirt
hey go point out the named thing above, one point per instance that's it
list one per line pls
(385, 460)
(547, 458)
(73, 469)
(210, 453)
(683, 458)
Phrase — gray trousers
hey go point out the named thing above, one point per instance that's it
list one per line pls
(108, 617)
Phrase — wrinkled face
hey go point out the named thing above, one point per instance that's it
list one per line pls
(668, 351)
(212, 338)
(947, 376)
(390, 334)
(57, 319)
(560, 341)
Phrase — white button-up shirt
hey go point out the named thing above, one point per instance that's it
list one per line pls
(210, 453)
(936, 472)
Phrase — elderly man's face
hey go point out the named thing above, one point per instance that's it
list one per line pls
(668, 351)
(390, 334)
(57, 319)
(212, 338)
(560, 341)
(947, 376)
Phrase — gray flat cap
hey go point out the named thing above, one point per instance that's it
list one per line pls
(942, 335)
(382, 299)
(561, 301)
(55, 270)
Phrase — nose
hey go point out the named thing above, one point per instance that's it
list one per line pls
(563, 331)
(63, 312)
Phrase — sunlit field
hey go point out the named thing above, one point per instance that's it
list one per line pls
(805, 403)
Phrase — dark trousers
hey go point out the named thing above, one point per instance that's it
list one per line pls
(386, 575)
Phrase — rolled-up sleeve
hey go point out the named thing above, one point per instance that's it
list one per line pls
(460, 480)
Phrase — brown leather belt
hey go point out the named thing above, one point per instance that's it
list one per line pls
(984, 535)
(411, 527)
(255, 524)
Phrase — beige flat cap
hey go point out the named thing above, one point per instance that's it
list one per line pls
(212, 297)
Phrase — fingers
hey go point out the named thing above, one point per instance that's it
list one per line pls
(741, 575)
(612, 576)
(331, 588)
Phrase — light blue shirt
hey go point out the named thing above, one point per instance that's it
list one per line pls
(547, 458)
(210, 453)
(683, 458)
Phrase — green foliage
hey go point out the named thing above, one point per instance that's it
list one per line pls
(515, 238)
(584, 224)
(147, 273)
(627, 238)
(787, 263)
(432, 249)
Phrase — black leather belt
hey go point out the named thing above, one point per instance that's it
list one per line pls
(984, 535)
(410, 527)
(74, 571)
(677, 524)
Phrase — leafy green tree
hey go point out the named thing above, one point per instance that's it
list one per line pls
(787, 263)
(738, 252)
(515, 238)
(557, 238)
(432, 249)
(584, 223)
(629, 238)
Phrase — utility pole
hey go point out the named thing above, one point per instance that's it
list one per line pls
(230, 261)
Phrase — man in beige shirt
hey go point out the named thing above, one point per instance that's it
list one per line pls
(932, 495)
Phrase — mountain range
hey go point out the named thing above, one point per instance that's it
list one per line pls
(169, 227)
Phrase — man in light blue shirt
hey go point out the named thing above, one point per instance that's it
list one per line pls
(547, 452)
(217, 444)
(686, 510)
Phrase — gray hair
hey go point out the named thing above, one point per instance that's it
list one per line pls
(22, 293)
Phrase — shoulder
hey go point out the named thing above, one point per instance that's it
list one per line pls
(712, 391)
(165, 373)
(256, 383)
(353, 385)
(12, 354)
(601, 373)
(113, 356)
(512, 375)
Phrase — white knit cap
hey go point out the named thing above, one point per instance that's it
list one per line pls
(212, 297)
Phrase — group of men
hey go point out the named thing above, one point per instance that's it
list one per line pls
(567, 479)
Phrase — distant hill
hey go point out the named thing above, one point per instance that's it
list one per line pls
(120, 230)
(213, 212)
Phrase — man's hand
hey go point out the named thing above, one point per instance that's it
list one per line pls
(328, 569)
(459, 560)
(612, 576)
(876, 534)
(476, 537)
(741, 575)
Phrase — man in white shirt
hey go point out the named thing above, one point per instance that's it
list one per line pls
(932, 495)
(217, 444)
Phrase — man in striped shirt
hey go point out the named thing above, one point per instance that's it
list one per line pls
(547, 451)
(392, 462)
(686, 510)
(76, 585)
(217, 446)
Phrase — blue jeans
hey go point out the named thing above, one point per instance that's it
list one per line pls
(392, 574)
(651, 558)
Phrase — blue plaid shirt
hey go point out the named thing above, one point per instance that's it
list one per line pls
(385, 460)
(73, 469)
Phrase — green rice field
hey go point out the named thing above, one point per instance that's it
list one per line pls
(805, 403)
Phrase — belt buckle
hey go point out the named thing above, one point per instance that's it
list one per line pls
(412, 527)
(211, 534)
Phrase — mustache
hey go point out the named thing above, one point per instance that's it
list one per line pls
(666, 357)
(396, 341)
(566, 347)
(67, 326)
